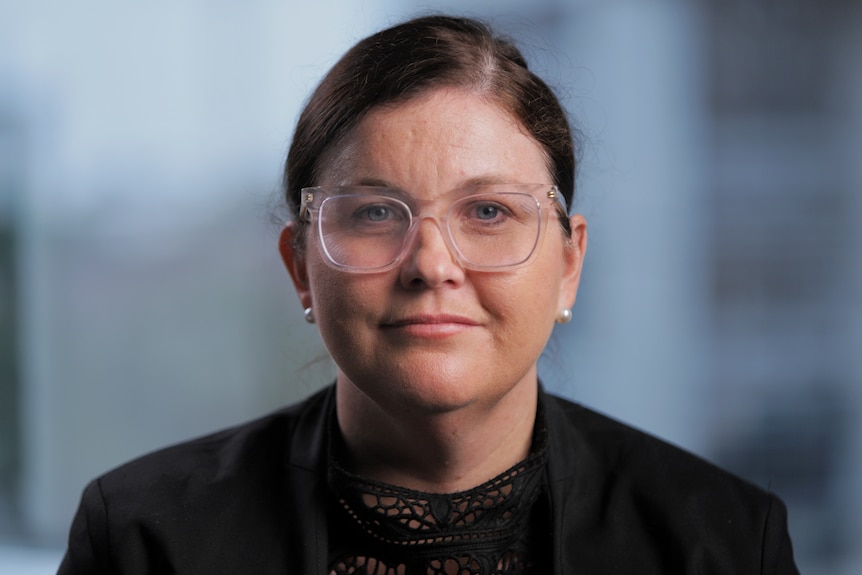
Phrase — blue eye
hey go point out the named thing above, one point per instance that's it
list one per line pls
(487, 212)
(376, 213)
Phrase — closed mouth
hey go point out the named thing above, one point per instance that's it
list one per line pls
(430, 319)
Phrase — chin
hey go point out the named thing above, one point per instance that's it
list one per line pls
(445, 391)
(436, 402)
(431, 383)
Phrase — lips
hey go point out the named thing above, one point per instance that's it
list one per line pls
(430, 319)
(430, 325)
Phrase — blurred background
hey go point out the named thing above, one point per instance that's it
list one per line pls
(142, 301)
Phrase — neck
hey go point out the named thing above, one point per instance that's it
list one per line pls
(436, 451)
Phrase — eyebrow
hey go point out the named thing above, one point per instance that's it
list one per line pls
(464, 185)
(374, 182)
(485, 180)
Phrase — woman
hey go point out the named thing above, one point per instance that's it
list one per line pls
(428, 179)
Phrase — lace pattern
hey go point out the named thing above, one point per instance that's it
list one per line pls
(493, 529)
(405, 517)
(509, 563)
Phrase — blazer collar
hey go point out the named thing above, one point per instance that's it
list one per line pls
(308, 446)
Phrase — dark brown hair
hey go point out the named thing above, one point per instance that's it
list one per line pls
(409, 60)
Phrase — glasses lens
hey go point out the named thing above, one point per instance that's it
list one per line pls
(366, 230)
(363, 231)
(495, 230)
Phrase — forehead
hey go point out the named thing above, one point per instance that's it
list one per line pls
(436, 143)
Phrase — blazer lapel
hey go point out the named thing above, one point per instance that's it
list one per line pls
(306, 476)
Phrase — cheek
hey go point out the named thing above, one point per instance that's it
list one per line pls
(333, 314)
(330, 293)
(343, 301)
(523, 302)
(540, 291)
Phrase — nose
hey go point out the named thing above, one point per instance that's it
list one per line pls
(429, 262)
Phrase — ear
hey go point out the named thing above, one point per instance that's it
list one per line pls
(574, 250)
(294, 261)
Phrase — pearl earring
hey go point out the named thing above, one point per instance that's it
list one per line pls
(565, 316)
(309, 315)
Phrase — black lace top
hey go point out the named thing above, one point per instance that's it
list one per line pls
(500, 527)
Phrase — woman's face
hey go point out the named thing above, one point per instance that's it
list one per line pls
(430, 335)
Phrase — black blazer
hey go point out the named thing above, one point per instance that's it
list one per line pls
(251, 500)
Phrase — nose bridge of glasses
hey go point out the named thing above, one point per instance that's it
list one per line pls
(422, 234)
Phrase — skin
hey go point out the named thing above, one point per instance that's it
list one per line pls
(437, 383)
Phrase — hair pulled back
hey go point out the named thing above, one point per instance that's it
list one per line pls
(414, 58)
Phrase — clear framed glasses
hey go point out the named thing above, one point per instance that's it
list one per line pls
(367, 229)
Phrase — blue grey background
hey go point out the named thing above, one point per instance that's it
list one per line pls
(142, 301)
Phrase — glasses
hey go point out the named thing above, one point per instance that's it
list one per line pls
(366, 229)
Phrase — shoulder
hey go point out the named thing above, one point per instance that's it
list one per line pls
(216, 504)
(611, 482)
(586, 438)
(238, 472)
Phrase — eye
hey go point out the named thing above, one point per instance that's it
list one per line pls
(487, 211)
(375, 213)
